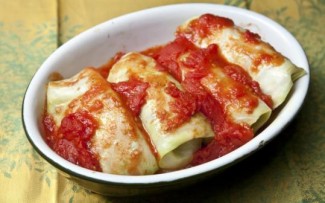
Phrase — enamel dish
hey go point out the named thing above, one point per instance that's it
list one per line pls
(136, 32)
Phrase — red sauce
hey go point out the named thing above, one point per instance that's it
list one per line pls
(201, 59)
(238, 74)
(251, 37)
(228, 139)
(183, 105)
(274, 59)
(168, 55)
(202, 26)
(134, 93)
(72, 140)
(229, 135)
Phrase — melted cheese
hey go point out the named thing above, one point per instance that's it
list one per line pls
(118, 140)
(169, 143)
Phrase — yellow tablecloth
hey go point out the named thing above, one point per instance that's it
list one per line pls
(289, 169)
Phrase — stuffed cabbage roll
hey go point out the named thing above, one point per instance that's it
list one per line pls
(269, 68)
(168, 114)
(202, 70)
(87, 122)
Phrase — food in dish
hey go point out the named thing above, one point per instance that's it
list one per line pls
(203, 71)
(173, 106)
(274, 73)
(87, 123)
(169, 115)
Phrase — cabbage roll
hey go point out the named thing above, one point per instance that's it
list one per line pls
(274, 72)
(168, 114)
(202, 70)
(118, 141)
(245, 108)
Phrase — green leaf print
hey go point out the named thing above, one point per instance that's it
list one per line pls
(309, 30)
(239, 3)
(19, 59)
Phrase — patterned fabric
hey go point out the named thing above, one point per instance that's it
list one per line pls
(289, 169)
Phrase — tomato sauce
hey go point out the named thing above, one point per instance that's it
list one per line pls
(202, 26)
(168, 55)
(229, 135)
(240, 75)
(183, 105)
(133, 92)
(72, 140)
(251, 37)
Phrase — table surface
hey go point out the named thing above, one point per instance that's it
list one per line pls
(289, 169)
